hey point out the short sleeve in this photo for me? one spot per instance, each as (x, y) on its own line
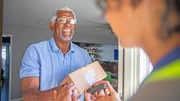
(30, 63)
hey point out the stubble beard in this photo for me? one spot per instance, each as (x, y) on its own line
(65, 38)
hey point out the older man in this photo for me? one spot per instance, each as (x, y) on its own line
(47, 63)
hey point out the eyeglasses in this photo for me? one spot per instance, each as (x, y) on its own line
(64, 20)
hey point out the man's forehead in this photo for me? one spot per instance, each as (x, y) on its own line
(64, 13)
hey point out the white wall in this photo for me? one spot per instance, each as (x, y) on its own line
(25, 35)
(107, 52)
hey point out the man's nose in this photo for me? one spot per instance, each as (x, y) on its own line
(67, 23)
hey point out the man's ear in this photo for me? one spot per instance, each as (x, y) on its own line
(51, 25)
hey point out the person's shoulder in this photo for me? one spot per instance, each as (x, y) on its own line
(39, 45)
(163, 90)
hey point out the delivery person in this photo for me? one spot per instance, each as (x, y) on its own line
(154, 26)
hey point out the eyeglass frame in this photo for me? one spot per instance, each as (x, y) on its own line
(65, 20)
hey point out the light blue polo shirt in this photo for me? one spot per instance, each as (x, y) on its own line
(46, 61)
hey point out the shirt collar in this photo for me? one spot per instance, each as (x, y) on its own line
(171, 56)
(54, 47)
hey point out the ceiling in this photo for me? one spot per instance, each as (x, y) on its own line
(37, 13)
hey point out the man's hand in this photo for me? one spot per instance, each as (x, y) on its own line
(66, 92)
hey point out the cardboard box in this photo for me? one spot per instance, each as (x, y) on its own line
(86, 76)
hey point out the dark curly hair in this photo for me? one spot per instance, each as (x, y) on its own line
(171, 5)
(135, 3)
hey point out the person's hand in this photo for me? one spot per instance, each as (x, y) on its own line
(66, 92)
(107, 94)
(75, 95)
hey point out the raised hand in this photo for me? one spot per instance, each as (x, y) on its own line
(107, 94)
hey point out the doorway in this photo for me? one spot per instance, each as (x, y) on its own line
(6, 47)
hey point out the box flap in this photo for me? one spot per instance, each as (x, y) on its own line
(67, 79)
(86, 76)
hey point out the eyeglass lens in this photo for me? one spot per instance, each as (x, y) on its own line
(64, 20)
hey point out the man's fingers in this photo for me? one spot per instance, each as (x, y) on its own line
(75, 95)
(55, 94)
(101, 93)
(106, 91)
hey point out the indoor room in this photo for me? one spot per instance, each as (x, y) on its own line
(27, 21)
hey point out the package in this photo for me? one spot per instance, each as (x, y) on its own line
(86, 76)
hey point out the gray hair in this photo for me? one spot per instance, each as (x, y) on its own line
(54, 17)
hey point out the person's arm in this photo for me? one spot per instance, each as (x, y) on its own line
(30, 91)
(108, 94)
